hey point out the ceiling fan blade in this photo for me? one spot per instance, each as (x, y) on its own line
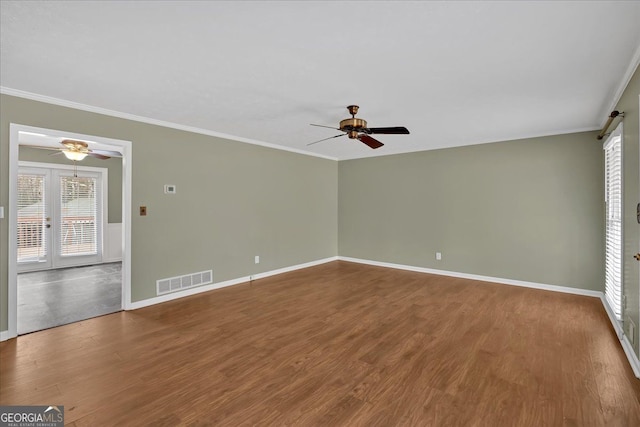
(371, 142)
(40, 147)
(397, 130)
(107, 153)
(323, 126)
(98, 156)
(331, 137)
(56, 154)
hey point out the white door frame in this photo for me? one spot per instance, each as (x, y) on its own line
(125, 148)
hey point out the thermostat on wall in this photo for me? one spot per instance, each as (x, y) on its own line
(169, 189)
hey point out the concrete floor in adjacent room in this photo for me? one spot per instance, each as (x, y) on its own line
(56, 297)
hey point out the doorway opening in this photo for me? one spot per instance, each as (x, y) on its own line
(69, 259)
(63, 212)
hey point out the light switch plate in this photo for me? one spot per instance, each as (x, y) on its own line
(169, 189)
(1, 212)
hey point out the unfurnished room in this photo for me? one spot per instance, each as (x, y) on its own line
(319, 213)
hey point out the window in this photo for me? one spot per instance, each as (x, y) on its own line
(613, 220)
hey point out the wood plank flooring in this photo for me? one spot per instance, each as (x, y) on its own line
(340, 344)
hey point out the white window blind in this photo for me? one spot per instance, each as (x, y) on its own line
(613, 230)
(32, 218)
(78, 216)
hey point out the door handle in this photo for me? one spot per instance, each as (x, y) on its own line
(637, 256)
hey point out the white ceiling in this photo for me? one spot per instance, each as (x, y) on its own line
(453, 73)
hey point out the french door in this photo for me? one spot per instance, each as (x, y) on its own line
(59, 218)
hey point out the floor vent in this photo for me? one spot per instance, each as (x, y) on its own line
(179, 283)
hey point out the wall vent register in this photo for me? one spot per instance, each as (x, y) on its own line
(179, 283)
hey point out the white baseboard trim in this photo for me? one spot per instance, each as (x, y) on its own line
(631, 355)
(624, 341)
(499, 280)
(617, 326)
(5, 335)
(292, 268)
(181, 294)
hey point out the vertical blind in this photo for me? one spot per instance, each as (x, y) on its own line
(613, 212)
(78, 216)
(32, 218)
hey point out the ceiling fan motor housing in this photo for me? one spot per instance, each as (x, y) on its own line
(352, 125)
(356, 128)
(78, 146)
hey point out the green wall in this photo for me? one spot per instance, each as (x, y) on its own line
(233, 201)
(114, 165)
(529, 210)
(631, 188)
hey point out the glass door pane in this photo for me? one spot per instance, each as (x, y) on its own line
(34, 221)
(78, 216)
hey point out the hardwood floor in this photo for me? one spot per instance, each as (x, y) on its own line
(336, 344)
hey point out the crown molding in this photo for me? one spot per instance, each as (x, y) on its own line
(631, 69)
(98, 110)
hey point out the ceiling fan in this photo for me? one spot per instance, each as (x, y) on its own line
(356, 128)
(78, 150)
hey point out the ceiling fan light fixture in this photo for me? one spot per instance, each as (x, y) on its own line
(74, 155)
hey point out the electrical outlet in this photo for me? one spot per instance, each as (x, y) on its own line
(257, 259)
(143, 210)
(438, 256)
